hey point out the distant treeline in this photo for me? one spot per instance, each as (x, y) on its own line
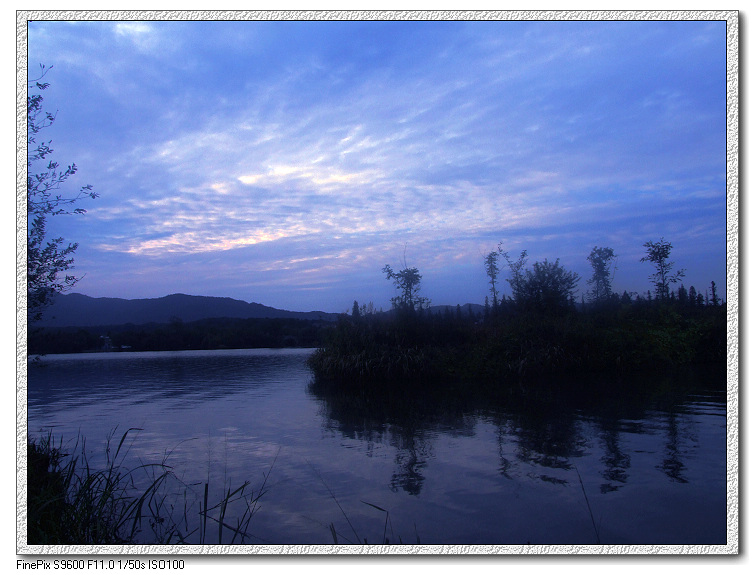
(220, 333)
(621, 336)
(538, 331)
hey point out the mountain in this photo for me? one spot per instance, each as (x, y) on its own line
(77, 310)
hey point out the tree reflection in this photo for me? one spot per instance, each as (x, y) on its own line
(540, 436)
(672, 464)
(548, 436)
(412, 453)
(616, 461)
(403, 420)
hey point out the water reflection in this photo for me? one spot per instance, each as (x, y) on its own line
(189, 375)
(616, 461)
(451, 466)
(541, 436)
(412, 452)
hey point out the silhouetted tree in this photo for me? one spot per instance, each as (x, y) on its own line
(603, 265)
(47, 258)
(548, 286)
(683, 297)
(658, 254)
(516, 281)
(714, 294)
(692, 296)
(367, 309)
(492, 269)
(407, 282)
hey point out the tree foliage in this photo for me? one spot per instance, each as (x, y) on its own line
(516, 281)
(548, 286)
(715, 300)
(658, 254)
(47, 258)
(492, 269)
(407, 282)
(603, 265)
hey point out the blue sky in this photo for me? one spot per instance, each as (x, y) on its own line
(287, 162)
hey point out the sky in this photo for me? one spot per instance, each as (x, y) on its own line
(286, 163)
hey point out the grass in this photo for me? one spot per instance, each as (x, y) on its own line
(589, 508)
(70, 503)
(385, 540)
(519, 348)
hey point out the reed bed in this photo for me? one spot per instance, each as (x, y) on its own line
(71, 503)
(515, 349)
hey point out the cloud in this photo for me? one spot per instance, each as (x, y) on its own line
(288, 149)
(134, 31)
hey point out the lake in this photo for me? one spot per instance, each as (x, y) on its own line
(645, 467)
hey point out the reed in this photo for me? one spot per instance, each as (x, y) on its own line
(242, 494)
(516, 348)
(589, 508)
(71, 503)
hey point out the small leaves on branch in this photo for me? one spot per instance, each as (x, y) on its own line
(46, 259)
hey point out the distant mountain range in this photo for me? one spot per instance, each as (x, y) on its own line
(77, 310)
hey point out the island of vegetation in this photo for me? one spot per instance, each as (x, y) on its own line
(538, 332)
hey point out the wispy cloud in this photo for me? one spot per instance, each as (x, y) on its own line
(305, 156)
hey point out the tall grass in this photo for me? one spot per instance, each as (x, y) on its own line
(71, 503)
(517, 347)
(589, 507)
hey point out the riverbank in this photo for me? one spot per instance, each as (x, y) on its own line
(71, 503)
(219, 333)
(420, 349)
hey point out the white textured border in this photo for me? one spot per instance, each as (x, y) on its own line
(732, 234)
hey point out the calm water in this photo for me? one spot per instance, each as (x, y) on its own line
(651, 465)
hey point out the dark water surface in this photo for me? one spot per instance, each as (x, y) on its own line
(647, 467)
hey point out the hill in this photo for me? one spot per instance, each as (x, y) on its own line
(77, 310)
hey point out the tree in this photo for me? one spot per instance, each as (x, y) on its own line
(516, 281)
(44, 263)
(603, 265)
(548, 287)
(492, 269)
(46, 258)
(683, 298)
(367, 309)
(692, 296)
(407, 282)
(714, 294)
(658, 254)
